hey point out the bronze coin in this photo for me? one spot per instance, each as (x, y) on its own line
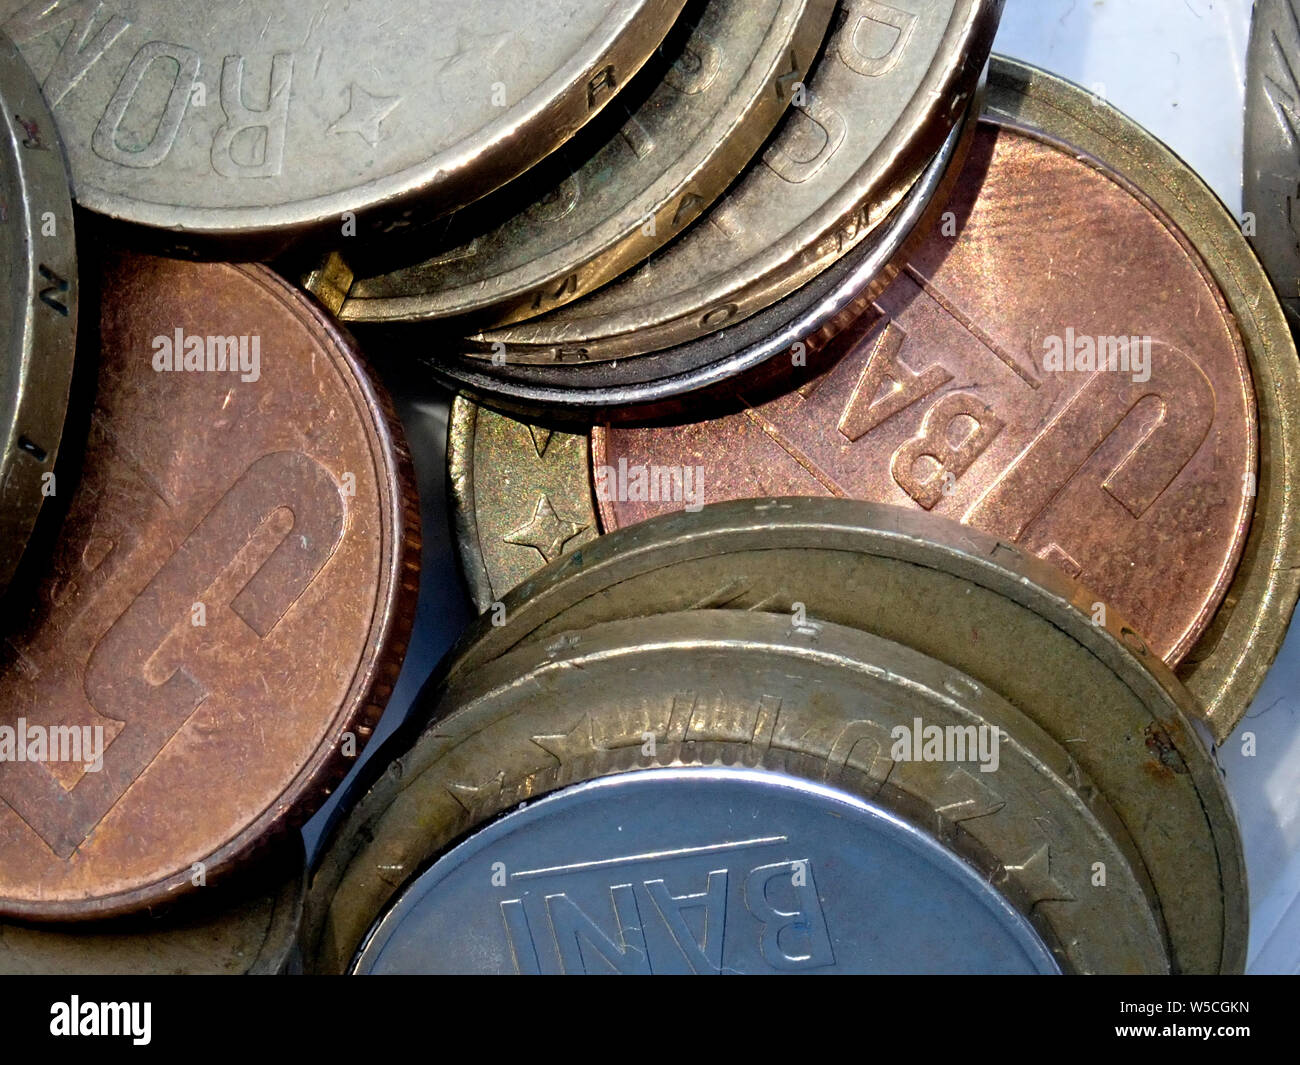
(1055, 365)
(227, 604)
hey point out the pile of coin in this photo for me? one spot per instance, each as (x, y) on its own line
(875, 464)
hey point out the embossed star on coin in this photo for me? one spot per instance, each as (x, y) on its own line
(546, 531)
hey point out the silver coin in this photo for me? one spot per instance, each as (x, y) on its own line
(38, 318)
(661, 382)
(1272, 163)
(621, 702)
(264, 117)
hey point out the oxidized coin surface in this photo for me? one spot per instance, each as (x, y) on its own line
(1271, 189)
(38, 317)
(1129, 462)
(894, 79)
(811, 712)
(228, 602)
(628, 184)
(252, 932)
(257, 117)
(976, 603)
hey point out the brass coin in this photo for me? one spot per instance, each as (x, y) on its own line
(628, 184)
(819, 703)
(894, 79)
(1007, 619)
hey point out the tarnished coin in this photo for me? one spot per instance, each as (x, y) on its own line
(683, 377)
(1271, 189)
(976, 603)
(993, 873)
(262, 119)
(1132, 466)
(1134, 472)
(628, 184)
(228, 601)
(894, 79)
(253, 931)
(38, 318)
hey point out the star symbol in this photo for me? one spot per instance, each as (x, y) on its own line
(546, 531)
(364, 115)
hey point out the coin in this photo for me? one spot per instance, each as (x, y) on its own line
(1272, 160)
(628, 184)
(1135, 479)
(681, 378)
(894, 80)
(264, 119)
(979, 604)
(38, 262)
(228, 601)
(1197, 560)
(1226, 667)
(252, 932)
(804, 721)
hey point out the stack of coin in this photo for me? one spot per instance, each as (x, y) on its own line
(875, 467)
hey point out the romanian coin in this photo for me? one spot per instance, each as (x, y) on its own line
(1227, 665)
(264, 119)
(981, 605)
(993, 872)
(253, 931)
(895, 78)
(681, 378)
(38, 320)
(227, 604)
(1131, 462)
(1271, 190)
(628, 184)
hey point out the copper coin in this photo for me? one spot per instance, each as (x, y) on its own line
(1055, 365)
(227, 605)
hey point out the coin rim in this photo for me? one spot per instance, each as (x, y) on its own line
(43, 346)
(380, 660)
(1226, 667)
(464, 171)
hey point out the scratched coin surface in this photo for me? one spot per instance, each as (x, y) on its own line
(810, 714)
(1136, 475)
(976, 603)
(1173, 496)
(628, 184)
(698, 372)
(1271, 189)
(268, 118)
(38, 319)
(227, 604)
(249, 932)
(894, 79)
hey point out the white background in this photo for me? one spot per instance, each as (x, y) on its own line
(1178, 67)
